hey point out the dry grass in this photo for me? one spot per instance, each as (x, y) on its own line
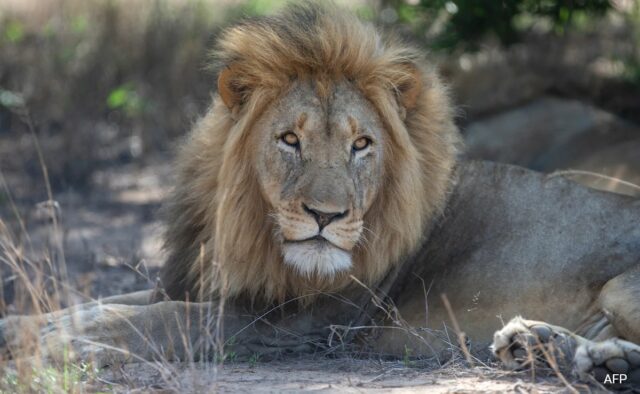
(611, 182)
(104, 82)
(41, 285)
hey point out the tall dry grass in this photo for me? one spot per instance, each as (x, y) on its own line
(104, 82)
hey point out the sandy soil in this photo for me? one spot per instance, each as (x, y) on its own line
(324, 375)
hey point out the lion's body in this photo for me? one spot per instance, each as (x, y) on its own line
(327, 163)
(509, 252)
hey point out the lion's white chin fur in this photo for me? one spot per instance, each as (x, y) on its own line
(316, 258)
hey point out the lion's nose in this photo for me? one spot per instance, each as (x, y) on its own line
(323, 218)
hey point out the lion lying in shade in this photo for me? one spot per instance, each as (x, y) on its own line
(325, 174)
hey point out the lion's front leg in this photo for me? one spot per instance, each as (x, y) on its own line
(58, 336)
(114, 333)
(172, 330)
(613, 362)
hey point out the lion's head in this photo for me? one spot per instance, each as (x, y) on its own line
(319, 162)
(327, 152)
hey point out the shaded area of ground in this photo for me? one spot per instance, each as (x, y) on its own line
(110, 236)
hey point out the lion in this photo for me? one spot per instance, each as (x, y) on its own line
(323, 184)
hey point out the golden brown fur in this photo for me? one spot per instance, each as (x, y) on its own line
(220, 236)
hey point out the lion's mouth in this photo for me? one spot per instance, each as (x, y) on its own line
(315, 256)
(317, 240)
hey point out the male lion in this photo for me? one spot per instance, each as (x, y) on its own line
(325, 174)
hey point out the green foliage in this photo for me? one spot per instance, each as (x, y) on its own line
(406, 357)
(632, 71)
(254, 360)
(11, 100)
(261, 7)
(632, 63)
(79, 24)
(14, 32)
(66, 379)
(126, 98)
(365, 12)
(231, 357)
(466, 21)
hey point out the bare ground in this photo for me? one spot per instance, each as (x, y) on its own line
(329, 375)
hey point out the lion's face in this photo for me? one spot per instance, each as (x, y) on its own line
(319, 164)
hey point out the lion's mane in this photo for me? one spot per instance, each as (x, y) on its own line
(219, 238)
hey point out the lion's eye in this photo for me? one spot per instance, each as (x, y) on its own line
(290, 139)
(361, 143)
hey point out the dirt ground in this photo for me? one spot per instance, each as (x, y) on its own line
(111, 236)
(323, 375)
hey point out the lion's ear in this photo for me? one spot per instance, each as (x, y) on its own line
(230, 90)
(410, 86)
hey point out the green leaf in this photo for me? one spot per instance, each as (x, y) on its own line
(118, 97)
(14, 32)
(79, 24)
(10, 99)
(126, 98)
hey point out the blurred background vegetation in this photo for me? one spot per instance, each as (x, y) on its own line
(452, 24)
(106, 81)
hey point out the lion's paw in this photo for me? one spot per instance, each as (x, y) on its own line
(613, 363)
(54, 338)
(17, 332)
(523, 343)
